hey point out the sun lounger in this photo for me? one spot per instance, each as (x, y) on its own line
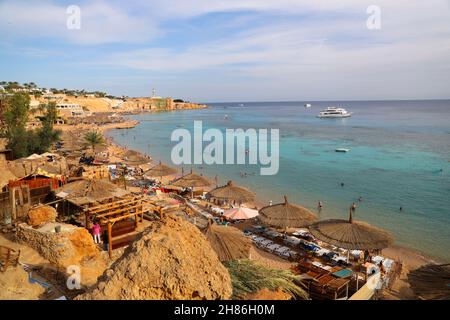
(273, 247)
(281, 250)
(377, 259)
(293, 241)
(259, 239)
(321, 252)
(338, 258)
(264, 243)
(301, 232)
(356, 253)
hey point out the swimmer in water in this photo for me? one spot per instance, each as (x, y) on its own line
(319, 205)
(353, 207)
(342, 184)
(360, 199)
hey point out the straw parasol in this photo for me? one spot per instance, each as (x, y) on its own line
(286, 215)
(349, 234)
(87, 191)
(228, 242)
(431, 282)
(160, 170)
(232, 192)
(5, 176)
(241, 213)
(135, 158)
(191, 180)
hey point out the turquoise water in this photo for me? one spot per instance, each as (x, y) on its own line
(400, 152)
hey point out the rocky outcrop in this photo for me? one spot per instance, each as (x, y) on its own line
(170, 260)
(40, 215)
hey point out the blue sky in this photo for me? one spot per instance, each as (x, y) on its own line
(230, 50)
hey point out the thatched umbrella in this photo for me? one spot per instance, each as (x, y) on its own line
(160, 170)
(135, 158)
(228, 242)
(5, 175)
(351, 235)
(431, 282)
(232, 192)
(87, 191)
(191, 180)
(286, 215)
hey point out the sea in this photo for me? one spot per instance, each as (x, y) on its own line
(399, 158)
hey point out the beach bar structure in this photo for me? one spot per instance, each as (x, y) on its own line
(119, 219)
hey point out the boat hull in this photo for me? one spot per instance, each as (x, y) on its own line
(334, 116)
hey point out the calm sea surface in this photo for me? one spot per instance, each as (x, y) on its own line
(400, 153)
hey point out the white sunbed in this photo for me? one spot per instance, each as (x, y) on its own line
(272, 234)
(265, 243)
(377, 259)
(317, 264)
(322, 251)
(356, 253)
(338, 258)
(283, 249)
(292, 241)
(287, 254)
(301, 232)
(259, 239)
(273, 247)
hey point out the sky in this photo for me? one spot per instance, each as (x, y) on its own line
(231, 50)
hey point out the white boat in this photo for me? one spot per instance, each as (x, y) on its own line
(342, 150)
(334, 112)
(307, 105)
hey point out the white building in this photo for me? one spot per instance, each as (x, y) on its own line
(70, 109)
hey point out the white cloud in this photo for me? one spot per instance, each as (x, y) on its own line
(101, 23)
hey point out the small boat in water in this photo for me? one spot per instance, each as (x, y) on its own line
(307, 105)
(334, 112)
(342, 150)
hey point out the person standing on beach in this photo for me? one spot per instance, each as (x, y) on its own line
(96, 232)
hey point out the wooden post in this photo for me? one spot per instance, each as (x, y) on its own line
(142, 213)
(86, 217)
(136, 214)
(110, 239)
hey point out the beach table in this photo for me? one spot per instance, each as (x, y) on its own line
(344, 273)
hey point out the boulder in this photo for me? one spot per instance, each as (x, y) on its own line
(40, 215)
(170, 260)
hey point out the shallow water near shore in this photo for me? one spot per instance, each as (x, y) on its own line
(400, 153)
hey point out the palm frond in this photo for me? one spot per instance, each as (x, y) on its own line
(249, 277)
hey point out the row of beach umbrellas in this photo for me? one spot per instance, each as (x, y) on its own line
(344, 233)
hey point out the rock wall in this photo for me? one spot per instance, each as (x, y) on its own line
(72, 246)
